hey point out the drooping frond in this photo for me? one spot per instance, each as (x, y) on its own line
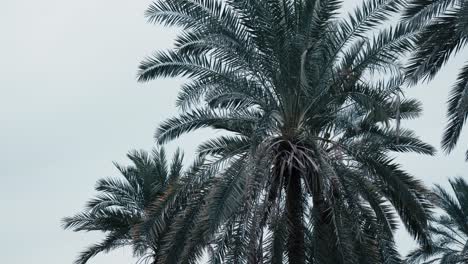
(436, 43)
(202, 118)
(111, 242)
(457, 111)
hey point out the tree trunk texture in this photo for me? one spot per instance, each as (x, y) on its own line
(294, 207)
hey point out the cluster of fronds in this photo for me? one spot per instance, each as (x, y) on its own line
(309, 104)
(150, 188)
(308, 101)
(442, 32)
(449, 230)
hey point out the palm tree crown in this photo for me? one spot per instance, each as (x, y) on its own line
(450, 230)
(307, 101)
(122, 204)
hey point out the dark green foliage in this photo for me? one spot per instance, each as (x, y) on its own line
(307, 101)
(443, 32)
(124, 204)
(449, 231)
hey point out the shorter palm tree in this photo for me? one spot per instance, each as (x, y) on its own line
(450, 230)
(124, 203)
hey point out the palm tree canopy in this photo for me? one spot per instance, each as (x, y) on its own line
(449, 230)
(308, 101)
(122, 203)
(443, 26)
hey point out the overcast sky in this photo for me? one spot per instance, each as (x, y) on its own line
(70, 105)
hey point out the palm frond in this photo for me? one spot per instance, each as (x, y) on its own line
(111, 242)
(457, 111)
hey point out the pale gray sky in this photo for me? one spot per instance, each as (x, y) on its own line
(70, 105)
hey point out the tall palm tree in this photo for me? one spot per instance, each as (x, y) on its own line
(124, 203)
(307, 106)
(443, 28)
(449, 230)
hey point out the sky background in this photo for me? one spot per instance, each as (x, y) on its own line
(70, 105)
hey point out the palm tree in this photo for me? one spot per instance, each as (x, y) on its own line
(443, 28)
(124, 203)
(307, 106)
(449, 230)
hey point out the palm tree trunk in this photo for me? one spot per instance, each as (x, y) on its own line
(318, 201)
(327, 250)
(294, 207)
